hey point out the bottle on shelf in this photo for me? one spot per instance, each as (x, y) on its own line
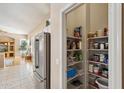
(102, 45)
(91, 67)
(96, 69)
(96, 45)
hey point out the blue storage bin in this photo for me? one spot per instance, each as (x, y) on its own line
(71, 72)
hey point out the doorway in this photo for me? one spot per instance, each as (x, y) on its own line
(122, 46)
(113, 53)
(16, 72)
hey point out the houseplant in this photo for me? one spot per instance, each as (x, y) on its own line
(23, 48)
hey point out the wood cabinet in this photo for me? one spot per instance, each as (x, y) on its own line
(1, 60)
(10, 48)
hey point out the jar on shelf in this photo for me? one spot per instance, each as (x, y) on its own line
(76, 34)
(73, 45)
(78, 56)
(77, 31)
(100, 33)
(105, 72)
(78, 45)
(90, 34)
(91, 67)
(102, 45)
(106, 45)
(102, 56)
(96, 69)
(96, 57)
(95, 34)
(105, 32)
(96, 45)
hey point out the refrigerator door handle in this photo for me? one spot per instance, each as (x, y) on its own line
(37, 53)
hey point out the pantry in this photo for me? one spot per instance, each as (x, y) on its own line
(86, 47)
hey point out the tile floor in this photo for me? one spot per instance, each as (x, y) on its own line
(19, 77)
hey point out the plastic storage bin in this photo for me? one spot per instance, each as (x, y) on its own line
(102, 83)
(71, 72)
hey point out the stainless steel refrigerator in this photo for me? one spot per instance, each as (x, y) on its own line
(42, 58)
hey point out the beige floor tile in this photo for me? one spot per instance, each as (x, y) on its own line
(19, 77)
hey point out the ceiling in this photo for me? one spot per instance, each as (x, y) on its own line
(22, 18)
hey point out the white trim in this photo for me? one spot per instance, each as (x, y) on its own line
(62, 46)
(67, 9)
(115, 39)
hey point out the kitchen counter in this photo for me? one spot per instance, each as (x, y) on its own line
(2, 60)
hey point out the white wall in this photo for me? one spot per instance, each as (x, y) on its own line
(55, 45)
(38, 28)
(76, 18)
(98, 16)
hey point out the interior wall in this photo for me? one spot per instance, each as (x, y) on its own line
(98, 16)
(38, 29)
(6, 39)
(56, 77)
(76, 18)
(17, 38)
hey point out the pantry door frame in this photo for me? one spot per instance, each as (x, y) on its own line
(115, 48)
(63, 35)
(115, 45)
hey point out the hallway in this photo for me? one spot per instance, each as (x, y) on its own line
(19, 77)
